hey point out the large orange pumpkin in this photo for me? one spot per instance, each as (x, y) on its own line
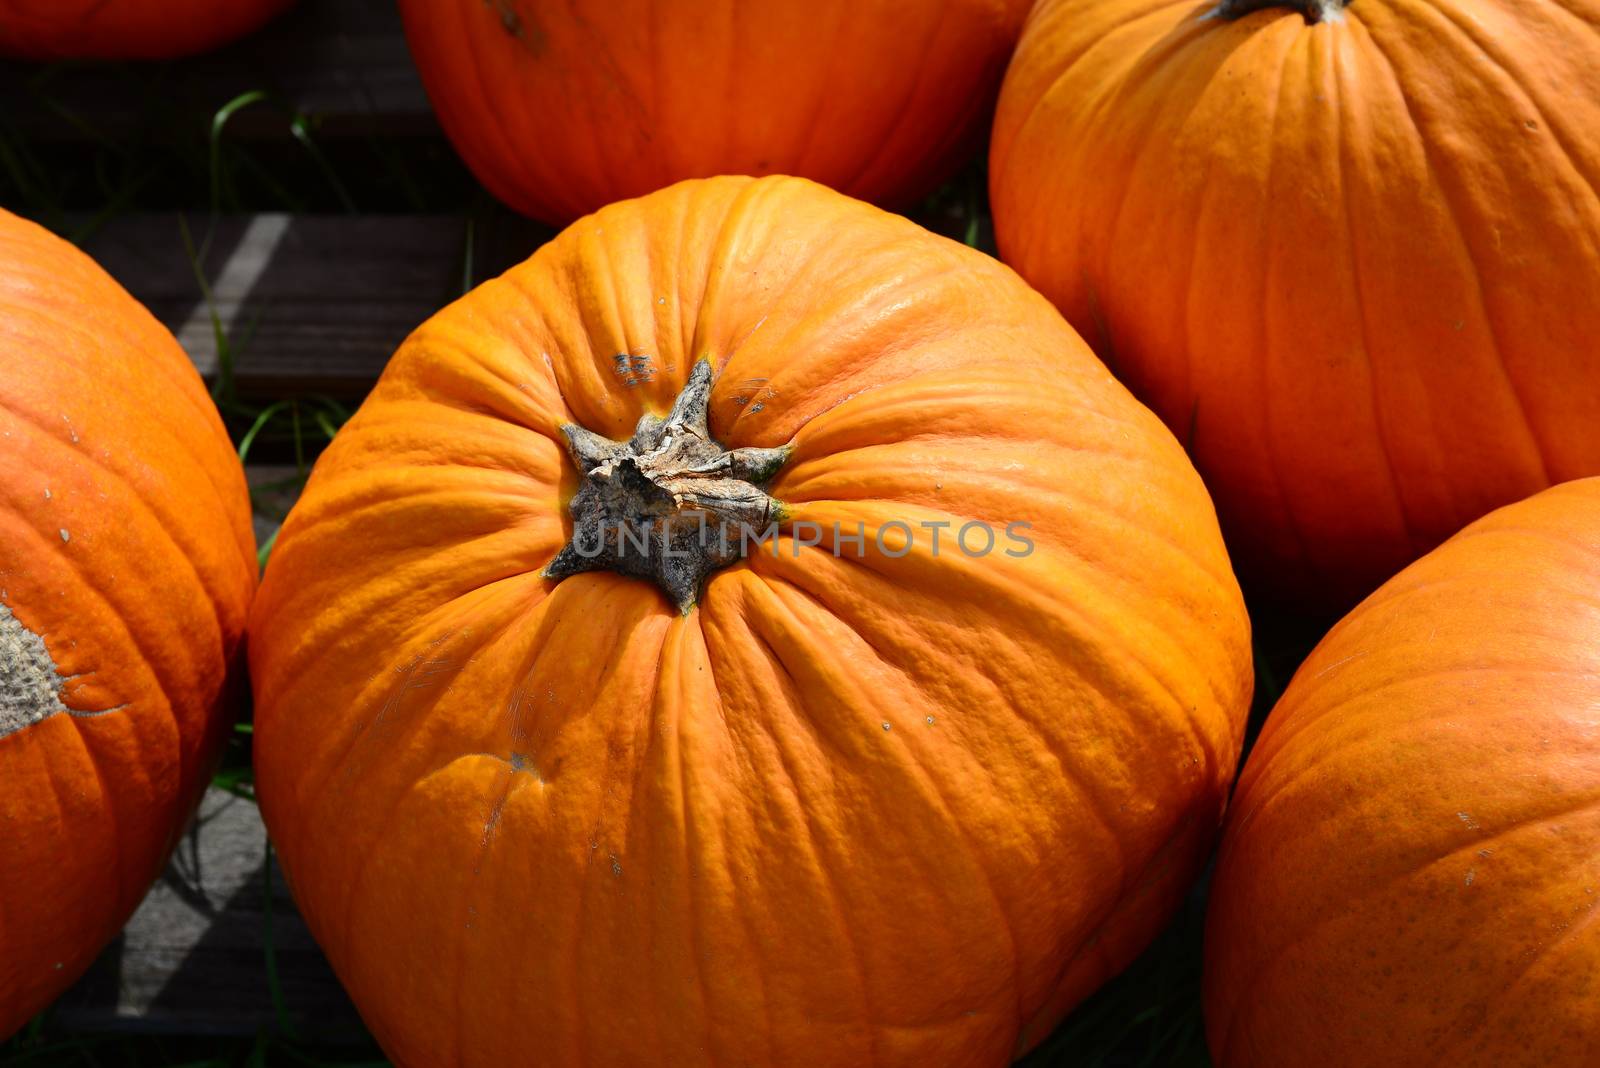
(560, 108)
(127, 565)
(126, 29)
(855, 802)
(1352, 257)
(1411, 870)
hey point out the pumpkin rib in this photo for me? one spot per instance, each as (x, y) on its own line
(214, 474)
(438, 393)
(1577, 15)
(1032, 109)
(687, 836)
(790, 686)
(1148, 150)
(1344, 111)
(1519, 85)
(1293, 524)
(322, 785)
(128, 892)
(1564, 940)
(910, 767)
(458, 957)
(1075, 775)
(824, 72)
(1453, 213)
(1283, 738)
(886, 138)
(62, 323)
(500, 146)
(1084, 574)
(915, 770)
(165, 523)
(1100, 688)
(1275, 957)
(324, 779)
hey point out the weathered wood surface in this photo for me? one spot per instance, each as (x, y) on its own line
(344, 62)
(194, 958)
(306, 303)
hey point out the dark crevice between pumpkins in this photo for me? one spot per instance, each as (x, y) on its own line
(669, 505)
(1313, 11)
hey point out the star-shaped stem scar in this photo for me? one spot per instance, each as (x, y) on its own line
(669, 505)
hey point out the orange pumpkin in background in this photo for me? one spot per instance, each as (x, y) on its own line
(854, 802)
(1350, 254)
(127, 565)
(1411, 870)
(127, 29)
(560, 108)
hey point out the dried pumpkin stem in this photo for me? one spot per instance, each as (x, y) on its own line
(1313, 11)
(669, 505)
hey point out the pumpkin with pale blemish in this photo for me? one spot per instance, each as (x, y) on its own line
(845, 803)
(1349, 252)
(127, 564)
(127, 29)
(560, 108)
(1411, 871)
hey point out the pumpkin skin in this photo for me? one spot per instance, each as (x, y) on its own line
(843, 811)
(561, 108)
(127, 564)
(127, 29)
(1411, 869)
(1354, 264)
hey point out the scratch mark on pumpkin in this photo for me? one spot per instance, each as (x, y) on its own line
(634, 370)
(1340, 663)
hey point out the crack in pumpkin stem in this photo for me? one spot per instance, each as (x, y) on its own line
(1313, 11)
(669, 505)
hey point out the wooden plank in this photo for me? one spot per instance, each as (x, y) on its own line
(306, 303)
(343, 61)
(194, 958)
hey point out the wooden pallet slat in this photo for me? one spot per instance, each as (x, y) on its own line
(345, 62)
(193, 959)
(307, 303)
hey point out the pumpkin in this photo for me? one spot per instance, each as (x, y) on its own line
(1411, 870)
(127, 565)
(1351, 255)
(560, 108)
(127, 29)
(815, 794)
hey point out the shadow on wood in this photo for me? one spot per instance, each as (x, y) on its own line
(194, 958)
